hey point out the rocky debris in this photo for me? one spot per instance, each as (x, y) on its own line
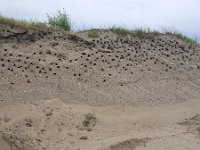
(83, 138)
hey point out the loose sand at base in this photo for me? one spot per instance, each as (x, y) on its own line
(51, 125)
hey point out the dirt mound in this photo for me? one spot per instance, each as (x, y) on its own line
(129, 144)
(106, 70)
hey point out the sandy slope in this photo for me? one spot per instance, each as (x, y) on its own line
(108, 70)
(52, 125)
(141, 91)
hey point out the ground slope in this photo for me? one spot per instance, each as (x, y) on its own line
(54, 125)
(110, 69)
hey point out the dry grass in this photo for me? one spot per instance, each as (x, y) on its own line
(61, 21)
(182, 37)
(24, 24)
(140, 33)
(93, 33)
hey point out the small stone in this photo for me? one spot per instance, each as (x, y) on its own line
(49, 113)
(70, 134)
(83, 138)
(28, 122)
(89, 129)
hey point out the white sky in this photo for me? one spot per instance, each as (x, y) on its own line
(179, 15)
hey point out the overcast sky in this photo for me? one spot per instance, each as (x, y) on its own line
(179, 15)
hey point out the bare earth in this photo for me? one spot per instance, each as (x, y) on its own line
(144, 93)
(32, 126)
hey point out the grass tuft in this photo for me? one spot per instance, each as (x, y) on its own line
(93, 33)
(182, 37)
(60, 21)
(8, 136)
(24, 24)
(120, 31)
(90, 119)
(140, 33)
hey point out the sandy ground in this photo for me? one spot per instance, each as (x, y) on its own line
(51, 125)
(144, 93)
(106, 70)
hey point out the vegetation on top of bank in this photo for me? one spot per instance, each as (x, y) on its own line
(61, 21)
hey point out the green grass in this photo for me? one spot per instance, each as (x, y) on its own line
(24, 24)
(140, 33)
(93, 33)
(182, 37)
(120, 31)
(8, 135)
(147, 33)
(90, 119)
(60, 21)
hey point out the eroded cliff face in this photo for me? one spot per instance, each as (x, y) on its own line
(107, 70)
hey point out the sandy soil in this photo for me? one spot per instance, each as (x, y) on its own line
(51, 125)
(107, 70)
(144, 93)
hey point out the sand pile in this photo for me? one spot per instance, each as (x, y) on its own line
(50, 81)
(110, 69)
